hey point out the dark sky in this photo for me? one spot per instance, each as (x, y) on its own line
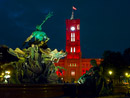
(105, 24)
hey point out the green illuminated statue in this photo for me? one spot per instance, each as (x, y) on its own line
(35, 63)
(39, 35)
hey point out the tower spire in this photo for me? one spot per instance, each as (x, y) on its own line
(72, 15)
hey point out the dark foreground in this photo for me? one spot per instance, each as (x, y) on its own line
(56, 91)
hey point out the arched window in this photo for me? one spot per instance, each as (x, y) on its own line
(72, 37)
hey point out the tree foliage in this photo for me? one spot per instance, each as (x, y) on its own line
(116, 61)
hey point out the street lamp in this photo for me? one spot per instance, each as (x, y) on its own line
(126, 74)
(127, 77)
(110, 72)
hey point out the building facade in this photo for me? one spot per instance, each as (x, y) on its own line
(74, 64)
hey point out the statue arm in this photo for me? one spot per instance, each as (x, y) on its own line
(48, 16)
(47, 40)
(29, 38)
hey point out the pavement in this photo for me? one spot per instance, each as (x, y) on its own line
(110, 96)
(115, 96)
(56, 91)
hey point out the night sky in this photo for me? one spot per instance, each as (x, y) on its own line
(104, 24)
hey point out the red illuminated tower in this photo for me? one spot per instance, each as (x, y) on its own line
(74, 64)
(73, 38)
(73, 59)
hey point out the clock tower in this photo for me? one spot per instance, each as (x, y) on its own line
(74, 64)
(73, 38)
(73, 58)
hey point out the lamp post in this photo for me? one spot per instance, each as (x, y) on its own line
(110, 74)
(127, 77)
(110, 84)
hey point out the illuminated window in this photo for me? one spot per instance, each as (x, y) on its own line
(78, 27)
(72, 37)
(72, 65)
(62, 78)
(71, 49)
(74, 49)
(72, 73)
(75, 64)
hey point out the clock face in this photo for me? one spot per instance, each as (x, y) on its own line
(72, 28)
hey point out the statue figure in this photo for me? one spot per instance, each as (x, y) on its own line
(39, 35)
(93, 72)
(94, 79)
(54, 55)
(36, 64)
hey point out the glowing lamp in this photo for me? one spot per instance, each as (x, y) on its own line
(7, 72)
(7, 76)
(110, 72)
(126, 74)
(2, 74)
(72, 28)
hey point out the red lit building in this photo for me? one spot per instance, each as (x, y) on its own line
(76, 65)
